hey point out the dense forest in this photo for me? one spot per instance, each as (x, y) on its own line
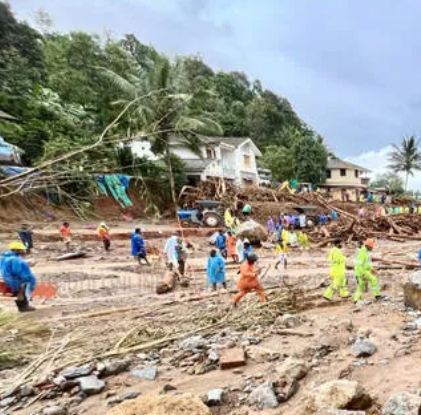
(66, 88)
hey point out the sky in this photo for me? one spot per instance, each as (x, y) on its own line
(350, 68)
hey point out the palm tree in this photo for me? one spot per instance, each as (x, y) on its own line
(163, 111)
(406, 158)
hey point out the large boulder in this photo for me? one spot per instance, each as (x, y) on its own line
(161, 405)
(363, 348)
(339, 394)
(412, 290)
(292, 369)
(403, 403)
(264, 396)
(253, 231)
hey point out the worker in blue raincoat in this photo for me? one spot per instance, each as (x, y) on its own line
(221, 243)
(138, 246)
(17, 275)
(216, 270)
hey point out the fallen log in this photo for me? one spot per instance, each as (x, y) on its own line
(407, 265)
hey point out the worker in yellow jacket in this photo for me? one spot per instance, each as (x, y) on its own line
(303, 240)
(337, 272)
(285, 236)
(364, 272)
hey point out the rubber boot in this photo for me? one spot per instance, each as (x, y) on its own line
(23, 306)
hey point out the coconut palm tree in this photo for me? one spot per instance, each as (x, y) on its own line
(162, 111)
(406, 158)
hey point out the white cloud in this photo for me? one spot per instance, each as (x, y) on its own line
(377, 161)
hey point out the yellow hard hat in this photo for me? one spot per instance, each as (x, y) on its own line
(17, 246)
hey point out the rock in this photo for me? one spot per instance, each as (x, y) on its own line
(130, 395)
(75, 372)
(253, 231)
(412, 290)
(26, 390)
(231, 358)
(289, 320)
(363, 348)
(263, 396)
(7, 401)
(91, 385)
(214, 397)
(339, 394)
(167, 388)
(54, 410)
(292, 369)
(113, 366)
(330, 411)
(161, 404)
(149, 373)
(194, 342)
(213, 356)
(262, 354)
(404, 403)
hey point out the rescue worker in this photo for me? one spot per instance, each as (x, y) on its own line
(270, 225)
(232, 246)
(181, 254)
(66, 234)
(138, 246)
(18, 276)
(25, 235)
(285, 236)
(248, 249)
(281, 251)
(246, 210)
(364, 272)
(228, 218)
(221, 243)
(249, 280)
(171, 252)
(103, 232)
(337, 272)
(292, 239)
(239, 248)
(216, 270)
(303, 240)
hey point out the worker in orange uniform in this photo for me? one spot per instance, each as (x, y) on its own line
(66, 234)
(103, 232)
(249, 280)
(231, 246)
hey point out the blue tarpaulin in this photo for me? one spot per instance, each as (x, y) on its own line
(12, 170)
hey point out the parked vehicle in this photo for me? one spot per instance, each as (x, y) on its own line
(208, 213)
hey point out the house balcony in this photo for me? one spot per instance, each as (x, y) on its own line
(228, 173)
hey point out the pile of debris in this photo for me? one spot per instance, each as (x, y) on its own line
(397, 228)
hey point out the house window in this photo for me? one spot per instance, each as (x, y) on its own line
(209, 153)
(343, 172)
(357, 174)
(329, 174)
(246, 148)
(247, 162)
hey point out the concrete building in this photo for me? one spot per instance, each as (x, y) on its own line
(228, 158)
(345, 181)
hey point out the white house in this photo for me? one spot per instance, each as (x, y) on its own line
(229, 158)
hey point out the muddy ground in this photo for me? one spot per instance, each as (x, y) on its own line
(111, 281)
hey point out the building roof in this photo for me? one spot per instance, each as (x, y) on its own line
(342, 164)
(234, 141)
(5, 116)
(196, 165)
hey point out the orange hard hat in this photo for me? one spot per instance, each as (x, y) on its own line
(369, 243)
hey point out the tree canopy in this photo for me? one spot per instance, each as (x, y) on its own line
(65, 88)
(406, 158)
